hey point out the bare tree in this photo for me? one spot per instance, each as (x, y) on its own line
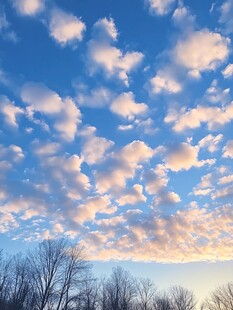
(220, 299)
(103, 303)
(146, 290)
(162, 302)
(73, 275)
(181, 298)
(88, 298)
(45, 262)
(5, 266)
(55, 269)
(20, 296)
(120, 290)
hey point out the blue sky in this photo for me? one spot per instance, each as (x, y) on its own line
(116, 131)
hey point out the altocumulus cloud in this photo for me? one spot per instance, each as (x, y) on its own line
(28, 7)
(65, 28)
(124, 143)
(103, 55)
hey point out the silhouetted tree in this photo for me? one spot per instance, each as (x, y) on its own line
(181, 298)
(220, 299)
(119, 290)
(45, 262)
(162, 302)
(20, 296)
(5, 266)
(89, 296)
(73, 278)
(56, 270)
(145, 289)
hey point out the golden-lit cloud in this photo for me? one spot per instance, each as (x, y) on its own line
(28, 7)
(108, 58)
(65, 28)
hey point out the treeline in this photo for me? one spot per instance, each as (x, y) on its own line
(56, 276)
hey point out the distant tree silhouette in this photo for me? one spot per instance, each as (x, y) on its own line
(162, 302)
(5, 271)
(20, 296)
(145, 289)
(220, 299)
(182, 298)
(89, 296)
(56, 270)
(119, 290)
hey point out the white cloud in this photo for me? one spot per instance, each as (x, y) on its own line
(216, 95)
(44, 148)
(135, 152)
(215, 117)
(3, 194)
(112, 61)
(226, 179)
(29, 213)
(10, 111)
(93, 148)
(96, 98)
(166, 199)
(58, 228)
(228, 149)
(105, 29)
(132, 196)
(40, 98)
(194, 74)
(183, 18)
(4, 78)
(202, 192)
(4, 167)
(211, 142)
(156, 182)
(160, 7)
(185, 156)
(164, 82)
(12, 153)
(144, 126)
(109, 59)
(88, 210)
(226, 15)
(226, 192)
(228, 71)
(5, 28)
(121, 166)
(206, 181)
(27, 207)
(65, 28)
(66, 171)
(214, 50)
(213, 183)
(125, 127)
(28, 7)
(7, 222)
(68, 120)
(125, 106)
(156, 179)
(4, 24)
(64, 112)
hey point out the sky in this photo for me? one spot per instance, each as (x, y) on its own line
(116, 132)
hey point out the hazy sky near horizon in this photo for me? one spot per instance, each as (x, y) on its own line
(116, 129)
